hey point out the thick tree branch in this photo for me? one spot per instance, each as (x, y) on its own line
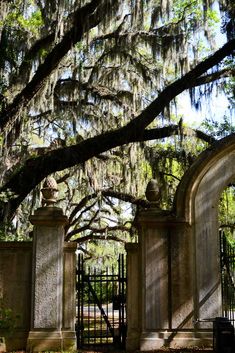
(174, 89)
(167, 131)
(227, 225)
(96, 230)
(98, 237)
(107, 193)
(81, 229)
(225, 73)
(150, 134)
(202, 136)
(32, 53)
(97, 91)
(85, 18)
(35, 169)
(75, 220)
(25, 67)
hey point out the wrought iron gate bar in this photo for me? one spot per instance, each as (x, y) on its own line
(99, 304)
(227, 257)
(101, 314)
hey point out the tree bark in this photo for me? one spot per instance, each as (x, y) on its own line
(36, 169)
(85, 18)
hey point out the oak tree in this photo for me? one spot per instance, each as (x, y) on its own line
(89, 90)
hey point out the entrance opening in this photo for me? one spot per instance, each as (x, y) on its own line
(227, 251)
(101, 304)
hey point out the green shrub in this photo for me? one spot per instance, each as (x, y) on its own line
(7, 318)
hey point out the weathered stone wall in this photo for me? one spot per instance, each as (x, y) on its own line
(15, 291)
(179, 283)
(166, 275)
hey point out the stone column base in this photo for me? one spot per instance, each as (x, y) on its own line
(132, 340)
(69, 340)
(175, 339)
(14, 341)
(39, 341)
(51, 341)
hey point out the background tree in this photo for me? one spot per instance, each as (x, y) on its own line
(90, 93)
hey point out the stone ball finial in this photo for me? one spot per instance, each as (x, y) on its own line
(49, 191)
(152, 192)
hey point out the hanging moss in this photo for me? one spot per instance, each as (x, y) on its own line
(111, 74)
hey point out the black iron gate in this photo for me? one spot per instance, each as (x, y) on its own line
(227, 256)
(101, 308)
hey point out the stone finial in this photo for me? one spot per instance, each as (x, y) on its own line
(152, 192)
(49, 191)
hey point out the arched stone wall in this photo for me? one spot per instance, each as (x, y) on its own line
(177, 265)
(213, 170)
(197, 202)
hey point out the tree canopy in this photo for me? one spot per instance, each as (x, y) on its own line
(89, 90)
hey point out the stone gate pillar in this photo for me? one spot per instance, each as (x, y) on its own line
(47, 278)
(165, 278)
(155, 299)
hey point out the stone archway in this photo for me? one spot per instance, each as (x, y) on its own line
(213, 170)
(175, 268)
(197, 201)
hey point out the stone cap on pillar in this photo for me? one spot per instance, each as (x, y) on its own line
(49, 216)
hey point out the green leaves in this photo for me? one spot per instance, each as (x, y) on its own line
(32, 22)
(6, 195)
(221, 128)
(8, 319)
